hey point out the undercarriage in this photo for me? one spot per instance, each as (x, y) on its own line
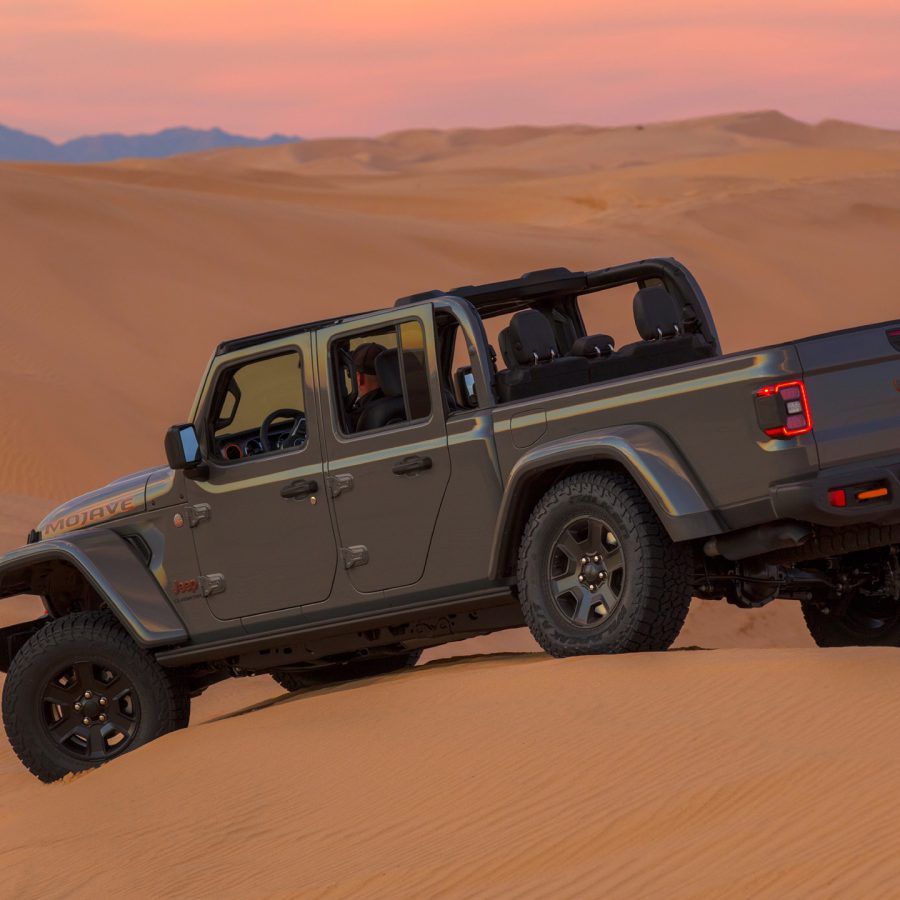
(867, 581)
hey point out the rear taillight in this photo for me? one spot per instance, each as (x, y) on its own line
(783, 410)
(893, 335)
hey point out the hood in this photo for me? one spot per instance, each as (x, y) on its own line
(123, 497)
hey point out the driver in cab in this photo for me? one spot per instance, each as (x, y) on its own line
(368, 388)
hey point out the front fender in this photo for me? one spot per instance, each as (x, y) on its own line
(643, 451)
(115, 572)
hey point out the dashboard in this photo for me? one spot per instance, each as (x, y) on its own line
(248, 443)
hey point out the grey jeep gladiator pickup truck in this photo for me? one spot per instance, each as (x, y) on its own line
(349, 492)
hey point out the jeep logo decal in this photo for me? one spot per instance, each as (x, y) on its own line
(186, 586)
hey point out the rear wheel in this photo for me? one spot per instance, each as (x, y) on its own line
(81, 692)
(597, 572)
(349, 671)
(863, 622)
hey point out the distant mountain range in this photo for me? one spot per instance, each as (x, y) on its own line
(23, 147)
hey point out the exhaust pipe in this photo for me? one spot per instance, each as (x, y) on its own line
(758, 540)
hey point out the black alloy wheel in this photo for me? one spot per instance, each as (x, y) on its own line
(586, 571)
(91, 710)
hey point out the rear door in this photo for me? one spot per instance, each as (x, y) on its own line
(386, 481)
(853, 383)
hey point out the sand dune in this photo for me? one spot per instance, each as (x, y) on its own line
(725, 773)
(684, 774)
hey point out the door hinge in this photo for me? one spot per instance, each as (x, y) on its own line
(337, 484)
(199, 513)
(212, 584)
(355, 556)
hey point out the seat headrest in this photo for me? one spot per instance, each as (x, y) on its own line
(387, 369)
(657, 314)
(505, 351)
(530, 338)
(592, 345)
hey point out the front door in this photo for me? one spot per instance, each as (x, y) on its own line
(264, 540)
(388, 463)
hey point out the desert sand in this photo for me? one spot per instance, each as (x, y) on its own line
(757, 765)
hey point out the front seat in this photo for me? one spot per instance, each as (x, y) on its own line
(389, 409)
(534, 365)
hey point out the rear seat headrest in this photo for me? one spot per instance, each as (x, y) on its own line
(592, 345)
(657, 314)
(505, 352)
(530, 338)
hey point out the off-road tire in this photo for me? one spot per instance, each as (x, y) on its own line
(851, 627)
(655, 588)
(350, 671)
(98, 639)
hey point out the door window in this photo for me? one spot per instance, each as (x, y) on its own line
(380, 378)
(259, 408)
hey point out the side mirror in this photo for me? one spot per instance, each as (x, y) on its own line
(182, 447)
(465, 382)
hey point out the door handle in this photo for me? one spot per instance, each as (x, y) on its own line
(301, 488)
(412, 464)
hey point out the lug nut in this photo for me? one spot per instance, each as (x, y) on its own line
(592, 587)
(77, 707)
(581, 577)
(88, 695)
(103, 701)
(102, 717)
(583, 560)
(596, 559)
(86, 721)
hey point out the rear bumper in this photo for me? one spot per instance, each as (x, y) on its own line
(13, 637)
(808, 500)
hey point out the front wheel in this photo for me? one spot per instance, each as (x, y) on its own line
(81, 692)
(348, 671)
(862, 622)
(597, 572)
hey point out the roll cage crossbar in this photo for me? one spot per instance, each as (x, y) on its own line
(544, 288)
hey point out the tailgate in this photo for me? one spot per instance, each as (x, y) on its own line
(853, 384)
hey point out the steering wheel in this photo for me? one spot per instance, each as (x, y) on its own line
(299, 424)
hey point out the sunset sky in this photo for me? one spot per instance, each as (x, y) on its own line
(69, 67)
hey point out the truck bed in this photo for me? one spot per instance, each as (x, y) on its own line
(706, 411)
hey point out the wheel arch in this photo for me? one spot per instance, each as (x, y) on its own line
(640, 451)
(94, 569)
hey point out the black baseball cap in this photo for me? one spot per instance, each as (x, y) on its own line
(364, 357)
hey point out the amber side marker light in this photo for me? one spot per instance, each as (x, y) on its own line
(874, 494)
(783, 409)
